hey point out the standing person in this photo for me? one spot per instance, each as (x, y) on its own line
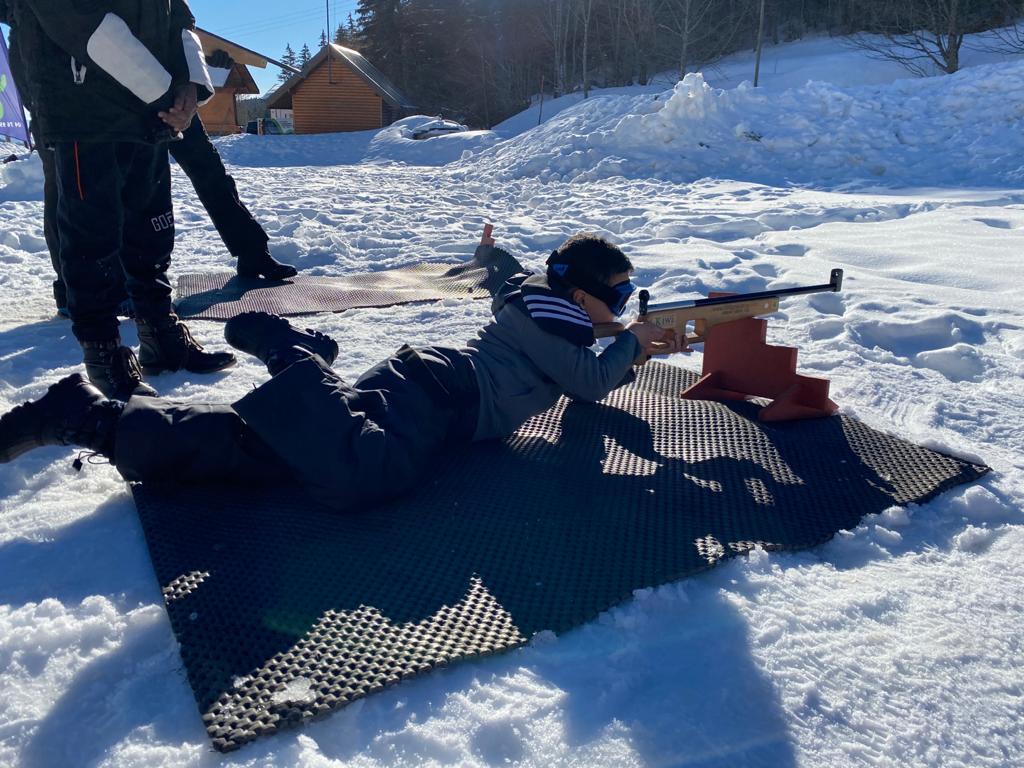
(111, 81)
(243, 236)
(353, 444)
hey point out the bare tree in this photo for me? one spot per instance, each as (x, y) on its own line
(584, 14)
(692, 22)
(921, 35)
(1010, 37)
(555, 22)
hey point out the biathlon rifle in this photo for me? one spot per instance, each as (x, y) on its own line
(692, 320)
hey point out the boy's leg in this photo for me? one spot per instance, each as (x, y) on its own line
(349, 446)
(89, 221)
(165, 343)
(89, 180)
(242, 234)
(159, 440)
(46, 157)
(148, 228)
(146, 439)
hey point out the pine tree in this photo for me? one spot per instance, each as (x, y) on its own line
(304, 56)
(289, 59)
(323, 39)
(381, 37)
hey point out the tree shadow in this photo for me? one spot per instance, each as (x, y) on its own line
(48, 344)
(114, 694)
(99, 554)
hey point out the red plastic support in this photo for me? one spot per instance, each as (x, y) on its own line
(739, 364)
(487, 239)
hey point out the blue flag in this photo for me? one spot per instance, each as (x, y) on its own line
(12, 114)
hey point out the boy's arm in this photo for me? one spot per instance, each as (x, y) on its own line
(89, 32)
(579, 371)
(189, 66)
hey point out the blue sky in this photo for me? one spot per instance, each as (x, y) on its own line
(266, 26)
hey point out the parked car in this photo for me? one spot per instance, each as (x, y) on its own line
(438, 127)
(264, 126)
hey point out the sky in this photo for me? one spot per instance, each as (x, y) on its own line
(266, 26)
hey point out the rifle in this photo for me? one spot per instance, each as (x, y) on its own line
(692, 320)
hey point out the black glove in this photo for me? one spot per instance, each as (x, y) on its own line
(220, 59)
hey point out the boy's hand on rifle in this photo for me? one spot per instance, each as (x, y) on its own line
(180, 115)
(655, 340)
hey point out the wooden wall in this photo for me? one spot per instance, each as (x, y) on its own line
(346, 103)
(218, 114)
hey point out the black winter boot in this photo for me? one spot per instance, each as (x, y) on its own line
(264, 265)
(72, 412)
(114, 370)
(277, 342)
(168, 345)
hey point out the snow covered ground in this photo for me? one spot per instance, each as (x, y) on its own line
(896, 644)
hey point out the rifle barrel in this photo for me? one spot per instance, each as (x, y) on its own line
(835, 284)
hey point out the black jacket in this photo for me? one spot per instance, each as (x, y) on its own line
(100, 70)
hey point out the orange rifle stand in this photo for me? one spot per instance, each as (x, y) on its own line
(486, 239)
(739, 364)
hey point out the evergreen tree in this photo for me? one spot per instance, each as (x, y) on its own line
(382, 43)
(289, 59)
(304, 56)
(323, 39)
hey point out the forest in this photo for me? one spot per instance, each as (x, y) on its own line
(479, 61)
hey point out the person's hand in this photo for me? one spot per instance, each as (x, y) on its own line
(655, 340)
(180, 115)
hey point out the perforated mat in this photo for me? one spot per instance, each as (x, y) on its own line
(222, 295)
(285, 610)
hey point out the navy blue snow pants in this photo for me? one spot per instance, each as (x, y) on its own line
(349, 445)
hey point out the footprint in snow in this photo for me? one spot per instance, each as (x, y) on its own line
(911, 338)
(789, 249)
(996, 223)
(828, 303)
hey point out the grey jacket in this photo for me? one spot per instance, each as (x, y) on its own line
(522, 370)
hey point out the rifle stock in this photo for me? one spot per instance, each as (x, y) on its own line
(691, 320)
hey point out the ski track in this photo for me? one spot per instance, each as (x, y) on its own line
(895, 644)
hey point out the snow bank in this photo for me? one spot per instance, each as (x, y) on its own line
(955, 129)
(21, 179)
(395, 143)
(390, 144)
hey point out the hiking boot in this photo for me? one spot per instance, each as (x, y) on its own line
(168, 345)
(72, 412)
(264, 265)
(114, 370)
(277, 342)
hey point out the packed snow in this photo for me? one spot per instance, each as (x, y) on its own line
(895, 644)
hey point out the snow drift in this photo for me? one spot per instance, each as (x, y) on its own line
(956, 129)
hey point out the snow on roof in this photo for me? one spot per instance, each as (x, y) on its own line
(358, 63)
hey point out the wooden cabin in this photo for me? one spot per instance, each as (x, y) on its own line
(339, 90)
(220, 114)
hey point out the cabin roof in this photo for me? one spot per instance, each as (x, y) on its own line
(280, 98)
(240, 54)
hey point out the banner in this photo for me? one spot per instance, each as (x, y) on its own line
(12, 114)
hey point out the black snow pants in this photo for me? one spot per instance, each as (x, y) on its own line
(349, 445)
(116, 231)
(200, 160)
(49, 162)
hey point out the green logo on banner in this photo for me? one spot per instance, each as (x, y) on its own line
(3, 87)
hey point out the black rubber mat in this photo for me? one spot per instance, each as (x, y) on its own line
(286, 610)
(222, 295)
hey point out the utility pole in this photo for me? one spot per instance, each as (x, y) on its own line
(760, 37)
(330, 53)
